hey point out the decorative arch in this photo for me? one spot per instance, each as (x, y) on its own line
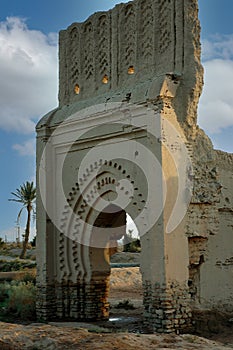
(150, 36)
(80, 216)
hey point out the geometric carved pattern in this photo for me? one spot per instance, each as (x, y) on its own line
(135, 34)
(80, 204)
(103, 47)
(147, 21)
(88, 51)
(128, 56)
(165, 21)
(67, 248)
(74, 56)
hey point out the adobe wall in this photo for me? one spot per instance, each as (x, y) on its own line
(216, 288)
(125, 76)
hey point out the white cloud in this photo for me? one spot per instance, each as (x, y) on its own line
(216, 103)
(28, 70)
(28, 84)
(28, 148)
(218, 46)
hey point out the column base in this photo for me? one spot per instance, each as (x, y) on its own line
(167, 308)
(73, 301)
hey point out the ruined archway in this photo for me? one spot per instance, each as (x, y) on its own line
(87, 236)
(125, 136)
(132, 183)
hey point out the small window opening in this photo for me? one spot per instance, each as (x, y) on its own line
(105, 79)
(77, 89)
(131, 70)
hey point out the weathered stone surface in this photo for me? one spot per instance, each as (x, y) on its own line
(125, 75)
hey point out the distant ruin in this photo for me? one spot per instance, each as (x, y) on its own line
(125, 139)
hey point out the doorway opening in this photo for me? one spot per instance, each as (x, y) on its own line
(117, 260)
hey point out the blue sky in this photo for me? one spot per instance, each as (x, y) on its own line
(28, 84)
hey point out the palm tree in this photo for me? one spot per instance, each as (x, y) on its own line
(26, 195)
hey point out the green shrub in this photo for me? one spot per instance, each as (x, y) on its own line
(18, 299)
(15, 265)
(131, 244)
(133, 247)
(4, 289)
(22, 300)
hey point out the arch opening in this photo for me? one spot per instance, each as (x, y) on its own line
(116, 266)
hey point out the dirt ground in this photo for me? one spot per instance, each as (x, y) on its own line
(126, 285)
(123, 331)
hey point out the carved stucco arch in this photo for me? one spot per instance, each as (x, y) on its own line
(80, 215)
(160, 39)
